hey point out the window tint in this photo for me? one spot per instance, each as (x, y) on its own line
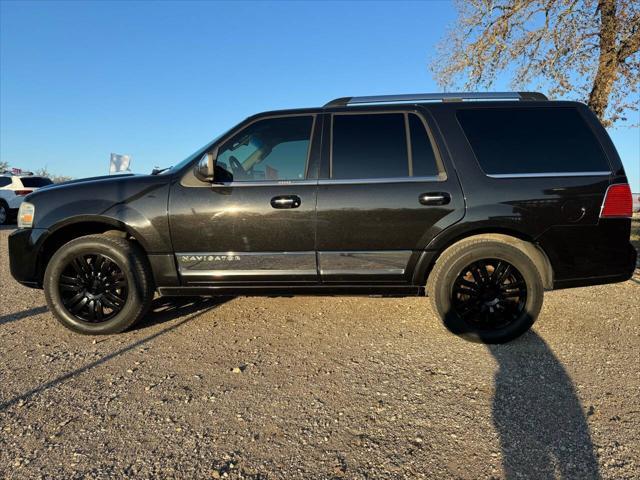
(35, 182)
(369, 146)
(270, 149)
(424, 160)
(4, 181)
(532, 140)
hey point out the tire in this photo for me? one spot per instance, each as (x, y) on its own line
(466, 306)
(4, 213)
(101, 271)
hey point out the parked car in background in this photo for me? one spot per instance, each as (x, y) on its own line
(14, 186)
(481, 200)
(636, 202)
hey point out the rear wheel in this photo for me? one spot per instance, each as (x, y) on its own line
(98, 284)
(486, 289)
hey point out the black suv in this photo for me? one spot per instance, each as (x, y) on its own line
(480, 200)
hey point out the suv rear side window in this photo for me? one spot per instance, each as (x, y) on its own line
(376, 146)
(4, 181)
(532, 141)
(424, 160)
(35, 182)
(369, 146)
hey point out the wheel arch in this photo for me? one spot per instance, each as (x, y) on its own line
(518, 238)
(80, 227)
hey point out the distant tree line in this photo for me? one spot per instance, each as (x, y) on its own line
(41, 172)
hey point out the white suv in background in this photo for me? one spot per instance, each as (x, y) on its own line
(13, 188)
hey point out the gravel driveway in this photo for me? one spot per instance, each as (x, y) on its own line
(343, 387)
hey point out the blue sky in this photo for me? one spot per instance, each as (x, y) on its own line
(156, 80)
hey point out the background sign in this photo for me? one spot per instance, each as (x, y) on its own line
(119, 163)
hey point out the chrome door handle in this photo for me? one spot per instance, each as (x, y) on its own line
(286, 201)
(434, 198)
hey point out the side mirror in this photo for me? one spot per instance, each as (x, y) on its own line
(205, 168)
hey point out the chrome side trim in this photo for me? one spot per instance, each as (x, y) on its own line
(386, 271)
(265, 183)
(550, 174)
(357, 181)
(364, 263)
(247, 263)
(245, 273)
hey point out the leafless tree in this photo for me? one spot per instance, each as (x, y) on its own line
(586, 50)
(44, 172)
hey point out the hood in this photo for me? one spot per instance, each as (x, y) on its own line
(119, 197)
(87, 189)
(90, 179)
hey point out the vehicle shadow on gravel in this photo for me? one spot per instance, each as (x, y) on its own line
(543, 429)
(12, 317)
(162, 310)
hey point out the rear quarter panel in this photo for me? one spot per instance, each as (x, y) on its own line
(559, 213)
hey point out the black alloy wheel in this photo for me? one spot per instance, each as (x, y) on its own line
(490, 293)
(98, 284)
(93, 288)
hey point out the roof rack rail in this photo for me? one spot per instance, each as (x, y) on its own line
(15, 172)
(437, 97)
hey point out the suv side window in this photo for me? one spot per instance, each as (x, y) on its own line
(381, 145)
(424, 159)
(369, 146)
(521, 141)
(35, 182)
(269, 149)
(4, 181)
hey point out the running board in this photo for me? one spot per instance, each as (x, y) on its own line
(291, 290)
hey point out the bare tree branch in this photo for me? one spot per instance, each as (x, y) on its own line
(581, 49)
(629, 47)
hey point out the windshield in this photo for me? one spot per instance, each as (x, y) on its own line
(197, 154)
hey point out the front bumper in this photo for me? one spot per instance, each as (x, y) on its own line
(25, 245)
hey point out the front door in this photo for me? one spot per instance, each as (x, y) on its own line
(385, 194)
(256, 223)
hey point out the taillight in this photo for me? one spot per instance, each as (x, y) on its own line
(618, 202)
(22, 193)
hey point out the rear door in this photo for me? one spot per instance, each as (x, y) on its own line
(386, 189)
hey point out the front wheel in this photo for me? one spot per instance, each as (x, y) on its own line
(486, 289)
(98, 284)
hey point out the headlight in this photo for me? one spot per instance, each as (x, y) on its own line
(26, 213)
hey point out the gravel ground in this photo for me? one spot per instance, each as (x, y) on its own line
(343, 387)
